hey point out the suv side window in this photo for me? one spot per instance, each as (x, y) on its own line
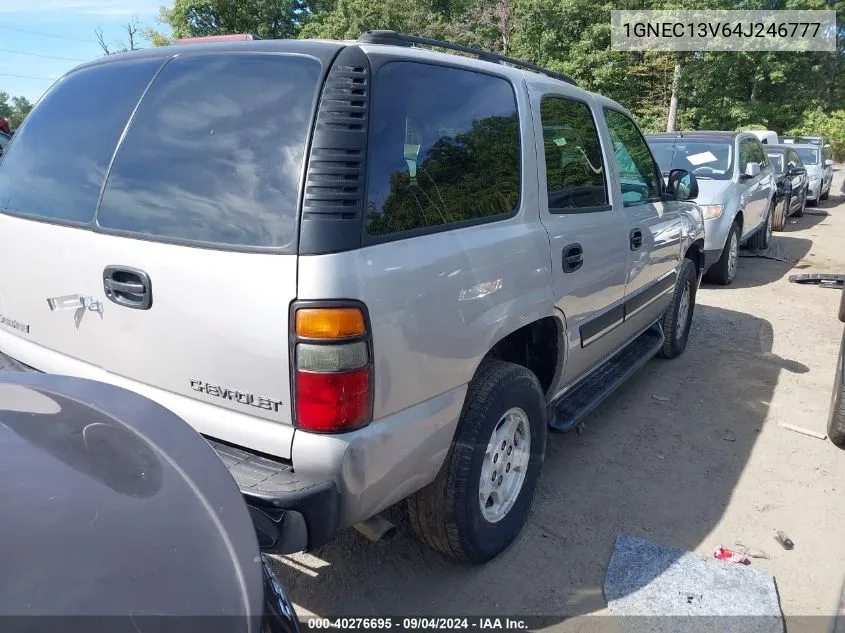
(758, 153)
(793, 160)
(637, 170)
(746, 154)
(56, 166)
(574, 167)
(215, 151)
(443, 149)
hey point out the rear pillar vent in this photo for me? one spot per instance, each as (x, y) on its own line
(333, 202)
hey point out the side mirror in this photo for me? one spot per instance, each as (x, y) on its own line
(682, 185)
(828, 163)
(751, 170)
(797, 171)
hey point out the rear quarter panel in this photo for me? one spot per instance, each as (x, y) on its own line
(432, 320)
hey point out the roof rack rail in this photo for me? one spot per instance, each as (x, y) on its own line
(400, 39)
(234, 37)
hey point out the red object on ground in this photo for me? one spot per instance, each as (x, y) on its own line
(4, 125)
(723, 553)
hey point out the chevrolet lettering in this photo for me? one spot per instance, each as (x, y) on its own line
(235, 395)
(18, 325)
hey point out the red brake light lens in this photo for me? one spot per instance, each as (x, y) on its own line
(333, 402)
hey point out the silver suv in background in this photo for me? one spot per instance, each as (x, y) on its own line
(365, 271)
(736, 191)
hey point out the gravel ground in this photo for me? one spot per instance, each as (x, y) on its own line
(704, 462)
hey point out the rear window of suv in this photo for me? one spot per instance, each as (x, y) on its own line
(55, 167)
(215, 151)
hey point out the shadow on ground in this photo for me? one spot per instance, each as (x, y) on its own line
(659, 460)
(784, 252)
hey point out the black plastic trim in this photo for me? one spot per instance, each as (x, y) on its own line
(394, 38)
(334, 192)
(594, 329)
(649, 293)
(293, 339)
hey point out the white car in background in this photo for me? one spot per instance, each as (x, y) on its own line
(819, 171)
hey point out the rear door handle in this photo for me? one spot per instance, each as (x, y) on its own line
(636, 239)
(128, 287)
(573, 258)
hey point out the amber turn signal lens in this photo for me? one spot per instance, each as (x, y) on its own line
(330, 323)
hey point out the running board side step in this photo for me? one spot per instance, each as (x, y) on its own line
(568, 412)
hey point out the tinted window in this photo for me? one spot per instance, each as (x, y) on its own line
(55, 167)
(706, 159)
(758, 153)
(808, 155)
(4, 140)
(215, 151)
(444, 148)
(574, 169)
(746, 153)
(637, 171)
(794, 161)
(776, 159)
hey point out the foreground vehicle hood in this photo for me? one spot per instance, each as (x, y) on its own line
(115, 506)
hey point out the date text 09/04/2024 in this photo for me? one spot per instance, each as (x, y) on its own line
(669, 30)
(417, 624)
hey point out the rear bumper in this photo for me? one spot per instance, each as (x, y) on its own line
(291, 513)
(329, 482)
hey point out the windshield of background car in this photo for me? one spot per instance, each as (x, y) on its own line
(777, 161)
(704, 158)
(808, 156)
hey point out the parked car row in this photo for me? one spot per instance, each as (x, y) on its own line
(748, 186)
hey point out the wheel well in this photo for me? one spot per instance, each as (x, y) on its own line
(739, 218)
(534, 346)
(695, 253)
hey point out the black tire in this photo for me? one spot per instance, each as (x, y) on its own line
(447, 514)
(781, 214)
(825, 195)
(760, 240)
(720, 272)
(800, 212)
(836, 417)
(676, 329)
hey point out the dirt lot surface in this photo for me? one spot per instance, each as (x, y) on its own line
(690, 453)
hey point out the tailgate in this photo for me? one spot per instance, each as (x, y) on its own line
(156, 238)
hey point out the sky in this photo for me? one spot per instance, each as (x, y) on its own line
(40, 40)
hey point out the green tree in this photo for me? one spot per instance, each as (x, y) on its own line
(269, 19)
(14, 108)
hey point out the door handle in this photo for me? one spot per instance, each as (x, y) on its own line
(128, 287)
(636, 239)
(573, 258)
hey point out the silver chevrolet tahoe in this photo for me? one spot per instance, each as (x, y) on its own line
(364, 271)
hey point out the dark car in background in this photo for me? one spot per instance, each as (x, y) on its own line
(791, 182)
(116, 510)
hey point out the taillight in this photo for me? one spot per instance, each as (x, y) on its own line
(333, 367)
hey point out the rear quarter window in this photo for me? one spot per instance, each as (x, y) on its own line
(215, 151)
(56, 166)
(444, 149)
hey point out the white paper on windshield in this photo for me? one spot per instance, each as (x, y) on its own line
(703, 157)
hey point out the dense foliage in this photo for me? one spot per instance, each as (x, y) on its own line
(787, 92)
